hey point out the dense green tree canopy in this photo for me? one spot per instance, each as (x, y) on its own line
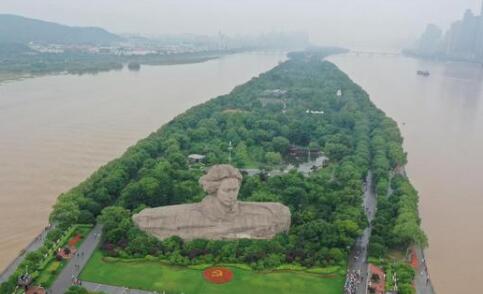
(326, 207)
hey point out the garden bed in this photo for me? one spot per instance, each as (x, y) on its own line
(53, 266)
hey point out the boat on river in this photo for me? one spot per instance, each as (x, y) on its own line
(424, 73)
(134, 66)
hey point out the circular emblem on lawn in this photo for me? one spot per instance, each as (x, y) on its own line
(218, 275)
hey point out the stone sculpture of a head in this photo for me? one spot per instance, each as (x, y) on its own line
(219, 216)
(223, 182)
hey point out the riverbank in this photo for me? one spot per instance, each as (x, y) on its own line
(439, 58)
(36, 243)
(6, 77)
(441, 120)
(95, 66)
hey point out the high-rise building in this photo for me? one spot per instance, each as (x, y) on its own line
(479, 37)
(462, 41)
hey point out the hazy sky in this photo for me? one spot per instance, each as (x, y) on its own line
(352, 23)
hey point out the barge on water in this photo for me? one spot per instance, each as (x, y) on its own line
(423, 73)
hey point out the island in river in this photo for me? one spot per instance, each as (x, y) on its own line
(82, 63)
(326, 206)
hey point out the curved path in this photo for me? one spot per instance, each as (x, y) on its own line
(75, 265)
(358, 257)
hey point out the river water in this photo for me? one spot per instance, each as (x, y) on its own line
(56, 130)
(441, 119)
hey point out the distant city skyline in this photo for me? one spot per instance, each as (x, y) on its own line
(352, 23)
(462, 41)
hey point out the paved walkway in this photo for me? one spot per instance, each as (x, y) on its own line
(75, 265)
(357, 269)
(34, 245)
(421, 280)
(112, 289)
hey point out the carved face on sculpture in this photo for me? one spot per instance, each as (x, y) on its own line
(228, 191)
(223, 182)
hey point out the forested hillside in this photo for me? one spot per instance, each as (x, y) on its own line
(18, 29)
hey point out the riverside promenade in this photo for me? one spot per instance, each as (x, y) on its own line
(357, 275)
(113, 289)
(422, 282)
(34, 245)
(76, 264)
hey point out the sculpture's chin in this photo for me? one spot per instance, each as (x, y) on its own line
(230, 205)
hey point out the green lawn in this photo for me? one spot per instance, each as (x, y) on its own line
(155, 276)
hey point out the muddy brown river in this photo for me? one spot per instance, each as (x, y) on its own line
(441, 119)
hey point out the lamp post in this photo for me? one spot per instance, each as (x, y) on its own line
(230, 148)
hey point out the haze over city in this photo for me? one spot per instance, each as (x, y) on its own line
(383, 24)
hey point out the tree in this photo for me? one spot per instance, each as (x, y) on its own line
(396, 154)
(99, 195)
(348, 228)
(314, 145)
(240, 155)
(336, 254)
(263, 196)
(76, 290)
(65, 213)
(408, 231)
(172, 244)
(280, 144)
(9, 286)
(376, 249)
(141, 244)
(382, 187)
(86, 217)
(54, 235)
(186, 190)
(273, 158)
(116, 221)
(336, 151)
(406, 289)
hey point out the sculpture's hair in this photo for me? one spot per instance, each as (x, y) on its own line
(212, 180)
